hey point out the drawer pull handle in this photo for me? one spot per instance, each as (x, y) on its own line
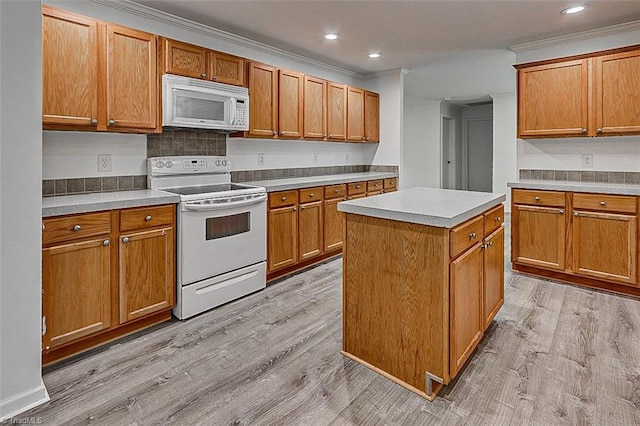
(472, 235)
(560, 211)
(294, 208)
(204, 74)
(105, 243)
(301, 207)
(498, 219)
(311, 195)
(125, 240)
(602, 203)
(357, 186)
(284, 198)
(584, 130)
(336, 191)
(148, 218)
(576, 214)
(77, 228)
(537, 198)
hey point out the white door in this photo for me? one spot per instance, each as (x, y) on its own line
(480, 154)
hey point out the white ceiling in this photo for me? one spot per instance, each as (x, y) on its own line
(409, 34)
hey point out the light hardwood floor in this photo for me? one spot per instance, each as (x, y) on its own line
(555, 354)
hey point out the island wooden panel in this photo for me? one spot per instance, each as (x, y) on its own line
(390, 323)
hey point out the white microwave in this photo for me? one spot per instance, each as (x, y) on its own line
(189, 102)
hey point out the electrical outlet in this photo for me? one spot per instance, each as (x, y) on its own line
(315, 158)
(104, 162)
(346, 158)
(261, 159)
(587, 160)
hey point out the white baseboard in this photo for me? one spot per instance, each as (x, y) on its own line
(16, 404)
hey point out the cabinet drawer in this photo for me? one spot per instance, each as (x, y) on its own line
(493, 219)
(311, 194)
(356, 188)
(465, 235)
(374, 186)
(283, 198)
(335, 191)
(600, 202)
(56, 230)
(539, 198)
(145, 217)
(390, 183)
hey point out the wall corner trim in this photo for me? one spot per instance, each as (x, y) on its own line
(16, 404)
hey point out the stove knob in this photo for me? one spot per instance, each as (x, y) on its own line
(224, 162)
(169, 164)
(218, 163)
(159, 164)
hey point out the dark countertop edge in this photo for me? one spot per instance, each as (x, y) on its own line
(590, 187)
(97, 206)
(294, 183)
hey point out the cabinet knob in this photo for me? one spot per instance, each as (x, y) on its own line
(284, 198)
(105, 243)
(560, 211)
(46, 348)
(490, 244)
(602, 203)
(584, 130)
(125, 240)
(204, 74)
(576, 214)
(537, 198)
(301, 208)
(294, 208)
(215, 78)
(472, 235)
(599, 130)
(77, 228)
(375, 185)
(273, 132)
(147, 218)
(282, 133)
(112, 122)
(311, 195)
(94, 121)
(336, 191)
(498, 219)
(357, 186)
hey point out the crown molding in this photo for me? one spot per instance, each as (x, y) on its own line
(580, 36)
(393, 71)
(186, 24)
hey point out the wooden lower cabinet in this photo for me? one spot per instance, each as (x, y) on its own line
(538, 236)
(310, 230)
(88, 278)
(333, 225)
(282, 237)
(493, 275)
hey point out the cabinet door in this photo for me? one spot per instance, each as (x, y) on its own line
(76, 297)
(465, 298)
(617, 90)
(355, 114)
(147, 278)
(227, 69)
(553, 100)
(493, 271)
(371, 117)
(538, 236)
(131, 79)
(290, 104)
(310, 230)
(333, 225)
(336, 111)
(605, 246)
(69, 69)
(282, 238)
(184, 59)
(315, 108)
(263, 100)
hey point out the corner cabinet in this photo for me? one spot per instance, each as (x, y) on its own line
(97, 76)
(104, 276)
(587, 95)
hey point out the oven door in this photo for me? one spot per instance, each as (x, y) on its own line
(215, 239)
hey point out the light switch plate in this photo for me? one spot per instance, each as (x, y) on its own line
(104, 162)
(587, 160)
(261, 159)
(315, 158)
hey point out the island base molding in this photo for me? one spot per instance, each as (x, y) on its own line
(591, 283)
(430, 385)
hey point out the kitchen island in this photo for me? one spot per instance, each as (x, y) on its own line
(423, 277)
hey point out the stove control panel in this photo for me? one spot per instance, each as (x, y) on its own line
(183, 165)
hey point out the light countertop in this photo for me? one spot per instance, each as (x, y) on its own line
(442, 208)
(311, 181)
(594, 187)
(84, 203)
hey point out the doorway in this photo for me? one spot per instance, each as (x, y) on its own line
(477, 147)
(448, 165)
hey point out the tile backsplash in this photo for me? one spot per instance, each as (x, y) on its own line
(51, 187)
(270, 174)
(581, 176)
(186, 142)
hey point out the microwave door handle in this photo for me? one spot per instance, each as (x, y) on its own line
(209, 207)
(232, 113)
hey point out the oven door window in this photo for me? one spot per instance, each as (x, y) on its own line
(227, 226)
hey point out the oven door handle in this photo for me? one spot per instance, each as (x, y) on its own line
(209, 207)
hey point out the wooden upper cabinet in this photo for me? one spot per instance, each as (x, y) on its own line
(70, 69)
(132, 88)
(263, 100)
(617, 93)
(226, 68)
(315, 108)
(371, 117)
(355, 114)
(184, 59)
(553, 99)
(290, 104)
(336, 111)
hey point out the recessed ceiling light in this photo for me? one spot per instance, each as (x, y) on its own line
(331, 36)
(374, 55)
(573, 9)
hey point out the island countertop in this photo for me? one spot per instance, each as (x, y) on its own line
(442, 208)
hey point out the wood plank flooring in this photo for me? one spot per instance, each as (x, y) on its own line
(555, 354)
